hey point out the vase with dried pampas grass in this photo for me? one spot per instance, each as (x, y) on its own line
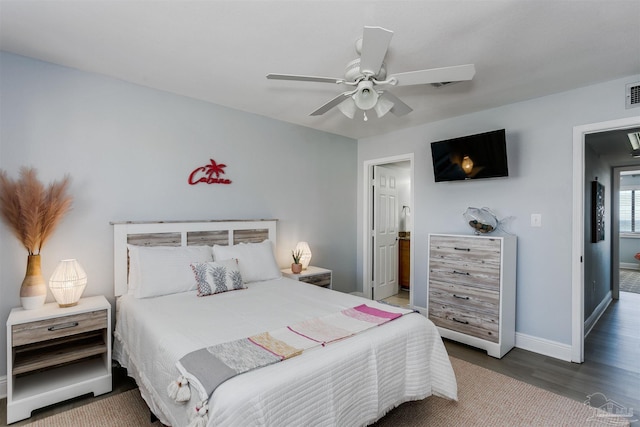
(31, 212)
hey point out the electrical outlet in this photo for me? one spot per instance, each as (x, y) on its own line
(536, 220)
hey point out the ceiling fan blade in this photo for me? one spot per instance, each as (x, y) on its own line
(436, 75)
(399, 107)
(375, 42)
(329, 105)
(303, 78)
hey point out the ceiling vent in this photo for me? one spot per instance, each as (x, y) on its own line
(633, 95)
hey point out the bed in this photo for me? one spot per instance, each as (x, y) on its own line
(351, 382)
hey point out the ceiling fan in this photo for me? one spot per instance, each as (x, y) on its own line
(368, 77)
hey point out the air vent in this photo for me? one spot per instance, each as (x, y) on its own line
(633, 95)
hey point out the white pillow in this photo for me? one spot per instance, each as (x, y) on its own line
(217, 277)
(255, 260)
(162, 270)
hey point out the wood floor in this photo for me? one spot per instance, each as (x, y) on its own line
(611, 366)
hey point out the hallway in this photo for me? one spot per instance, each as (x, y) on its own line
(613, 346)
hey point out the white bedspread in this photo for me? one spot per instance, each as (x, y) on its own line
(353, 382)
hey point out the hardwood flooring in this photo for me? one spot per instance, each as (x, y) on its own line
(611, 366)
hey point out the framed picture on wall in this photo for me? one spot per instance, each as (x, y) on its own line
(597, 212)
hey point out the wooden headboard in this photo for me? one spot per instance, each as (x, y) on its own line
(182, 233)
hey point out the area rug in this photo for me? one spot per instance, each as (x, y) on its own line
(486, 398)
(630, 281)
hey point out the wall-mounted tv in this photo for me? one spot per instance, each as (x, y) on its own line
(479, 156)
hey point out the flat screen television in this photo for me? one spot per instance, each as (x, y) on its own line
(479, 156)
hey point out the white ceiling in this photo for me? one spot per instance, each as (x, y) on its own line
(220, 51)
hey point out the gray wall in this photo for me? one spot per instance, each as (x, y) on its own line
(129, 150)
(597, 256)
(629, 246)
(539, 145)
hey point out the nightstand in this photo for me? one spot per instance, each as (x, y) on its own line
(315, 275)
(55, 354)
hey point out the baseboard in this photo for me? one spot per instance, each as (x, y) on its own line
(599, 311)
(630, 266)
(543, 346)
(3, 387)
(358, 294)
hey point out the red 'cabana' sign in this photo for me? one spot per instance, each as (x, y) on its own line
(205, 174)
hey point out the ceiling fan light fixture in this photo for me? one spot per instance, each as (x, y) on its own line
(348, 107)
(365, 97)
(383, 106)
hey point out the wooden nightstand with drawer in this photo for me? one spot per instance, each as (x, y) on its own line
(55, 354)
(313, 275)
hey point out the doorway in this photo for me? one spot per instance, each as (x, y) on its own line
(580, 134)
(387, 245)
(627, 202)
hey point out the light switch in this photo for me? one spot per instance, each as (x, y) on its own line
(536, 220)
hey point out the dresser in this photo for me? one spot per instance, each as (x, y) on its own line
(472, 290)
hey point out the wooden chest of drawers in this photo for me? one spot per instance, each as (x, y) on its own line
(472, 290)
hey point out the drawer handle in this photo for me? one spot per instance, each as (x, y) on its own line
(464, 322)
(462, 249)
(63, 326)
(465, 273)
(461, 297)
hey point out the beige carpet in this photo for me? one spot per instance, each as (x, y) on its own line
(486, 398)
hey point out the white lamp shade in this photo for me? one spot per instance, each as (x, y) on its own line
(348, 107)
(366, 97)
(306, 254)
(383, 106)
(67, 282)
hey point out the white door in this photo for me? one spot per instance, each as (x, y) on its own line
(385, 233)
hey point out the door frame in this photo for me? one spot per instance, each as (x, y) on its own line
(367, 206)
(577, 249)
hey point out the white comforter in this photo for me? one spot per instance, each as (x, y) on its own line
(349, 383)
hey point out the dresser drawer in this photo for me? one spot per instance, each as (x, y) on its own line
(465, 261)
(462, 320)
(477, 277)
(323, 279)
(44, 330)
(458, 248)
(470, 298)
